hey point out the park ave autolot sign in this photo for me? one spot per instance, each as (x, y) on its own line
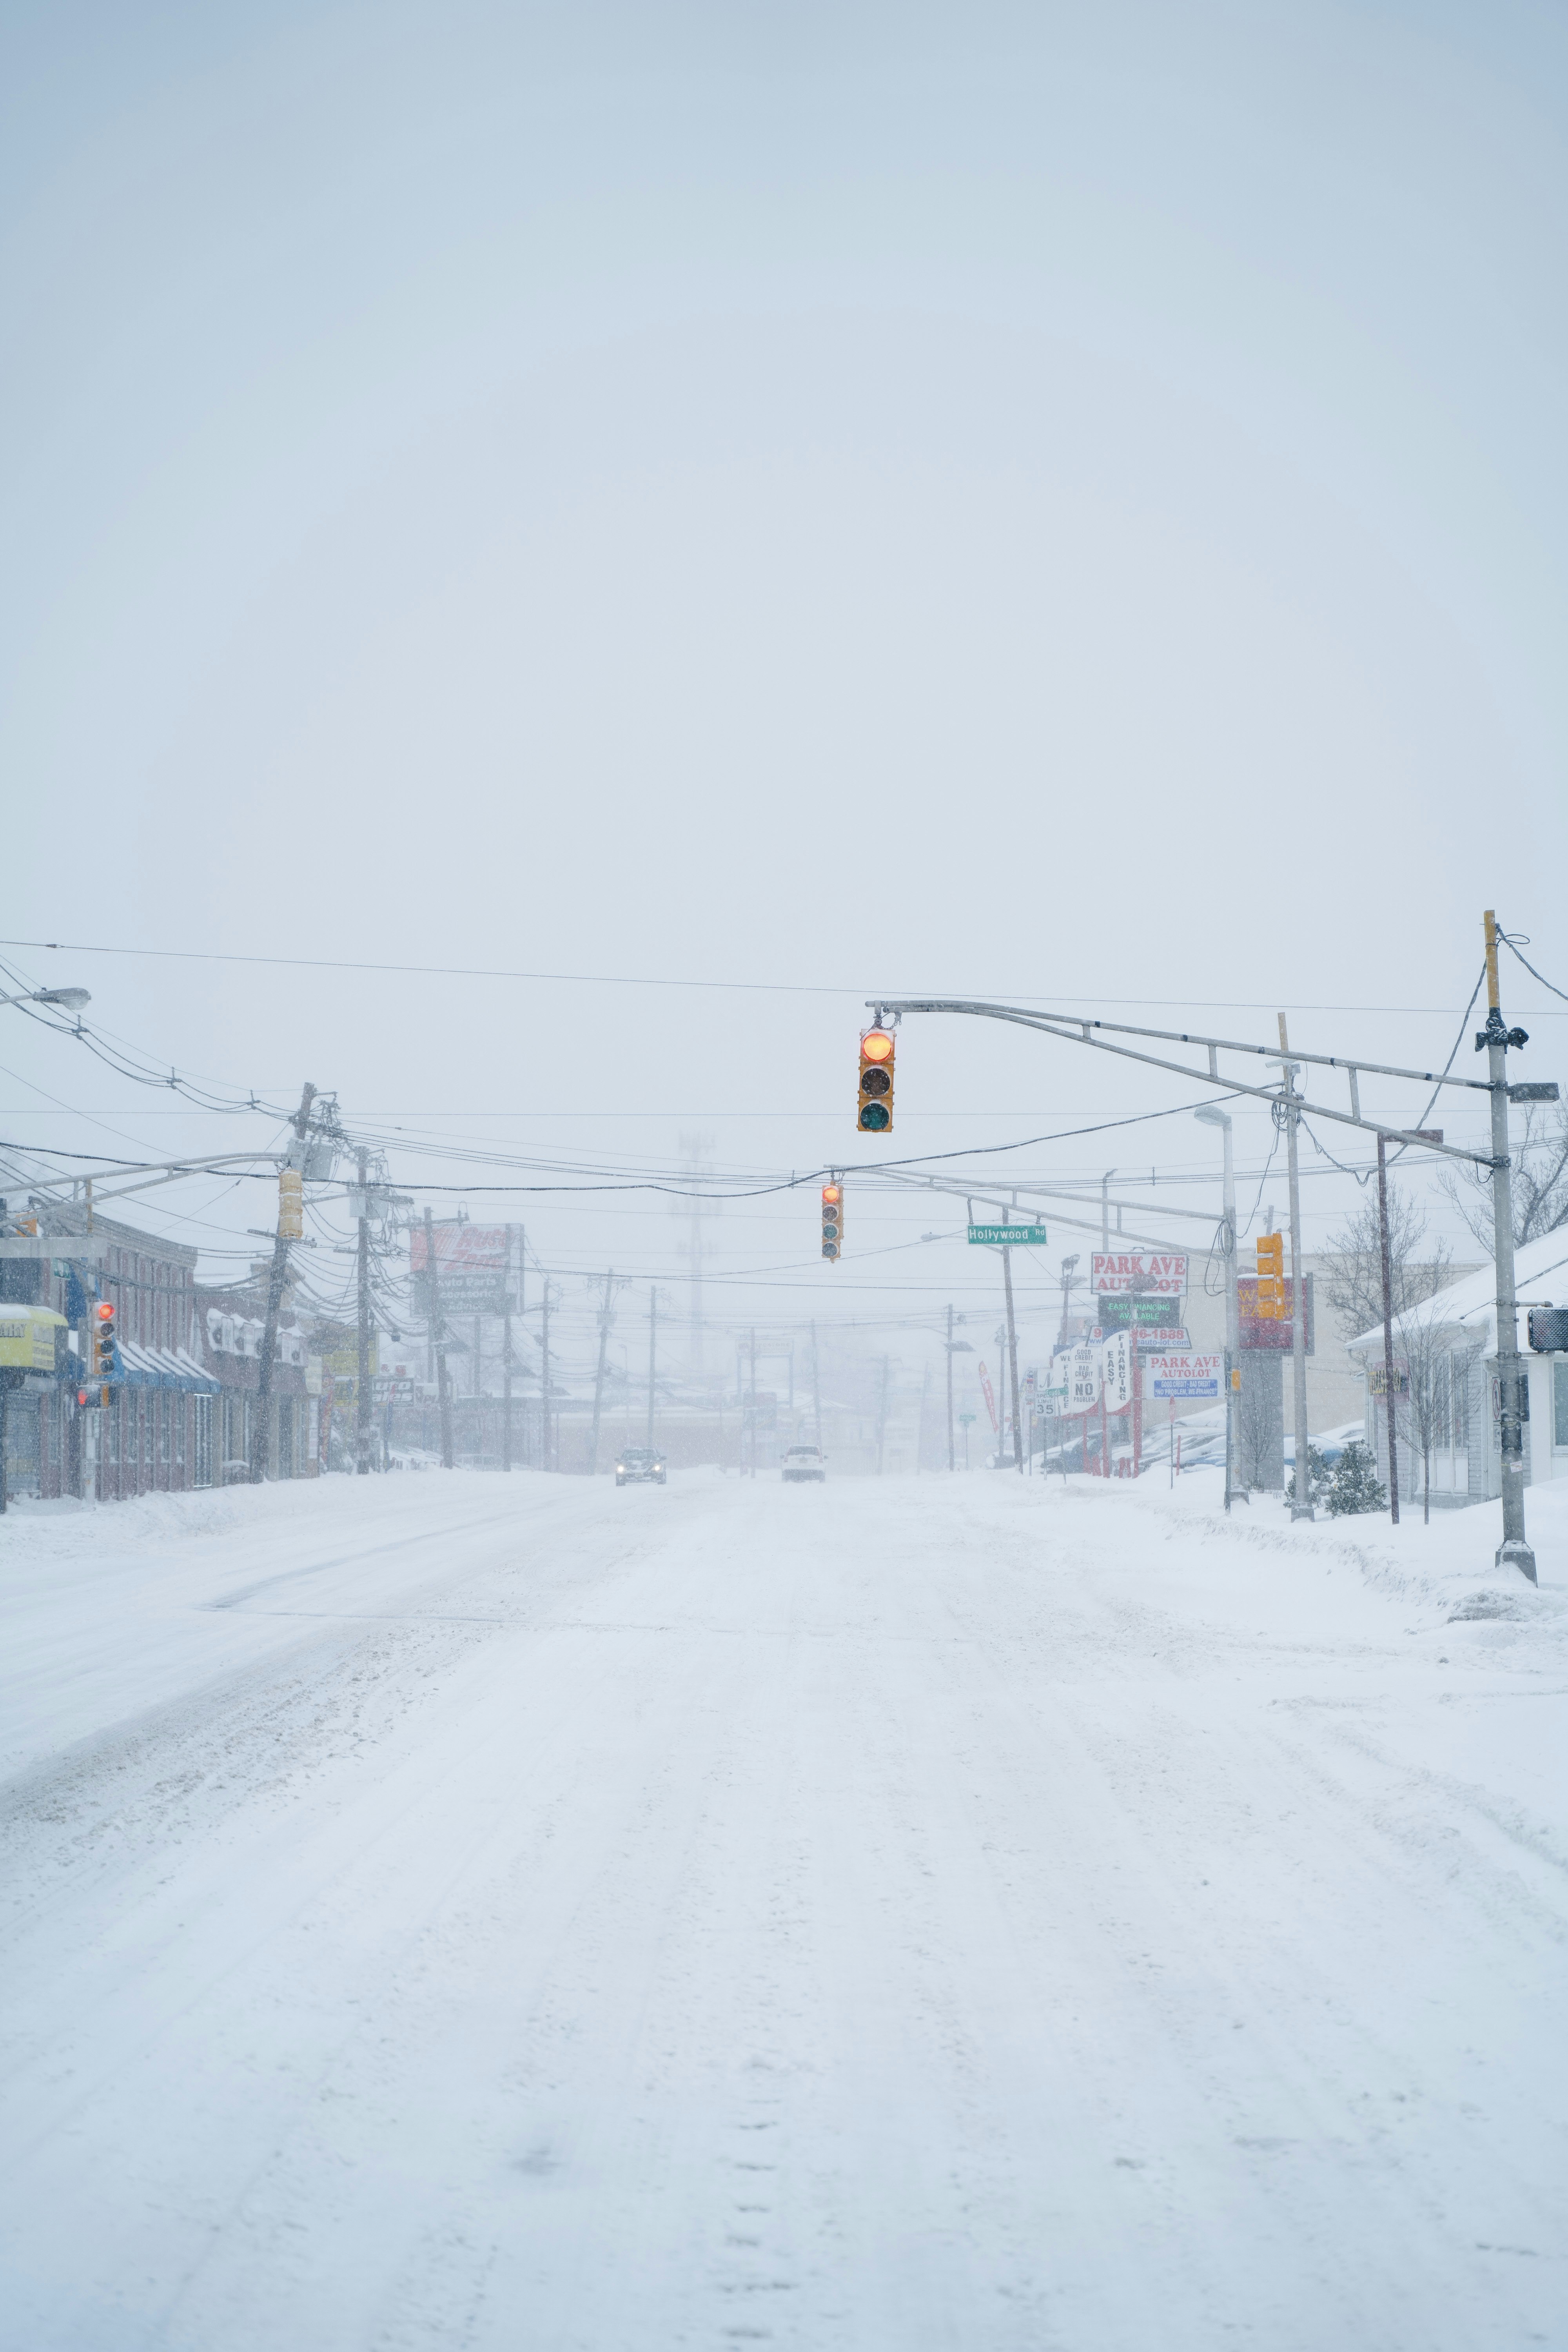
(1184, 1375)
(1148, 1274)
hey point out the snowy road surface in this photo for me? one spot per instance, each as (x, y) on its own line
(974, 1913)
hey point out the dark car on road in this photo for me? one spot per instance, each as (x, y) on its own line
(634, 1462)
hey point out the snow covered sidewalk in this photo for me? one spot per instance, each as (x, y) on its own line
(979, 1913)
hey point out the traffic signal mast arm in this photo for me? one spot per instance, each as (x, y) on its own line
(1075, 1031)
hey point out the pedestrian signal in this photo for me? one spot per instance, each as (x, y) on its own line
(290, 1205)
(105, 1345)
(1271, 1305)
(876, 1113)
(832, 1219)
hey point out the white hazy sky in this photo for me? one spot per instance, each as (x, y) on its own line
(994, 498)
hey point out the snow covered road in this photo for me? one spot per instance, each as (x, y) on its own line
(985, 1914)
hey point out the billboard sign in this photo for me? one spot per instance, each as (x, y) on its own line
(471, 1266)
(1142, 1274)
(1186, 1375)
(1264, 1332)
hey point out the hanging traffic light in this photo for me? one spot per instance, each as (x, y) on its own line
(832, 1220)
(876, 1113)
(1271, 1305)
(105, 1363)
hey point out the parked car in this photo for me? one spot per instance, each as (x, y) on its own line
(804, 1462)
(639, 1462)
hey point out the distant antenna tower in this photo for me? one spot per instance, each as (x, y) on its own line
(696, 1164)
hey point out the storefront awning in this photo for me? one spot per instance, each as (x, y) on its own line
(163, 1368)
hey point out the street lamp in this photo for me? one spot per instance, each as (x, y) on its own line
(1211, 1114)
(69, 999)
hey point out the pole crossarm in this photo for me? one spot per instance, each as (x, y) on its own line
(1077, 1032)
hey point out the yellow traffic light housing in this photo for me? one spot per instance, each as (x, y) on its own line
(104, 1359)
(1271, 1301)
(875, 1115)
(832, 1220)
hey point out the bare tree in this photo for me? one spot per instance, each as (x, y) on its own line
(1352, 1265)
(1539, 1180)
(1353, 1282)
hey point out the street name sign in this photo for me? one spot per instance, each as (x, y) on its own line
(1002, 1237)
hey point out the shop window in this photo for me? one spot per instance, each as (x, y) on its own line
(165, 1402)
(1559, 1404)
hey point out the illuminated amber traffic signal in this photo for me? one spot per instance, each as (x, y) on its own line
(832, 1220)
(876, 1111)
(105, 1363)
(1271, 1304)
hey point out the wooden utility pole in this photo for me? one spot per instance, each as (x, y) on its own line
(599, 1375)
(652, 1340)
(261, 1436)
(952, 1457)
(1012, 1357)
(438, 1341)
(362, 1397)
(753, 1401)
(546, 1451)
(506, 1355)
(1390, 1423)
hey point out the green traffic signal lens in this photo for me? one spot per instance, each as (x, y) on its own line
(875, 1116)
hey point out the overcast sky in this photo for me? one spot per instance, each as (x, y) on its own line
(1045, 502)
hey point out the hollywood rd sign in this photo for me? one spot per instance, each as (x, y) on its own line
(1145, 1274)
(1186, 1375)
(1007, 1236)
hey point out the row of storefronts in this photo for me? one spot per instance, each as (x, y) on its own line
(181, 1407)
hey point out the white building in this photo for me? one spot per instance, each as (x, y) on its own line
(1456, 1332)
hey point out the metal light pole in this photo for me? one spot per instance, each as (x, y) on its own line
(1388, 1416)
(1212, 1116)
(362, 1393)
(1301, 1506)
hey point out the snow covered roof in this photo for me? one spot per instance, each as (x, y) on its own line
(1468, 1307)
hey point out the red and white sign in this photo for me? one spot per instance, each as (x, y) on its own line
(462, 1246)
(1149, 1274)
(985, 1392)
(1117, 1359)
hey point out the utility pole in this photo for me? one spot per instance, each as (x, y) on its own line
(599, 1375)
(816, 1390)
(1389, 1421)
(547, 1452)
(1301, 1507)
(882, 1416)
(261, 1436)
(506, 1358)
(1514, 1550)
(437, 1342)
(952, 1457)
(652, 1340)
(362, 1393)
(753, 1400)
(1212, 1116)
(920, 1439)
(1012, 1357)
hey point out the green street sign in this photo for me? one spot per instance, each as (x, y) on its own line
(1004, 1236)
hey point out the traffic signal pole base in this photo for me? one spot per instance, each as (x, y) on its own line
(1517, 1554)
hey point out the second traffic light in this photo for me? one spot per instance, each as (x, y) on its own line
(105, 1363)
(875, 1116)
(1271, 1304)
(832, 1220)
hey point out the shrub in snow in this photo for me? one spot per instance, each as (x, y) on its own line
(1318, 1477)
(1355, 1485)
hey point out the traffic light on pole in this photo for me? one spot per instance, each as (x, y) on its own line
(1271, 1305)
(832, 1220)
(876, 1112)
(105, 1361)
